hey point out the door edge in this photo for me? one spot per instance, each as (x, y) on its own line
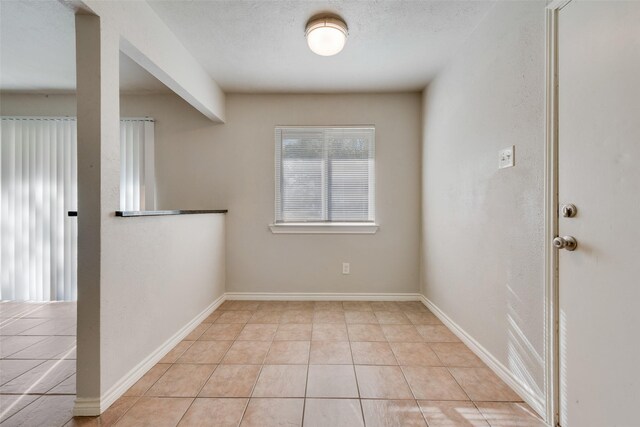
(551, 296)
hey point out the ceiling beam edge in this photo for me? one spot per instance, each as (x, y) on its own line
(146, 39)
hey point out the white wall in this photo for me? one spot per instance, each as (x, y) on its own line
(17, 104)
(482, 261)
(166, 272)
(231, 166)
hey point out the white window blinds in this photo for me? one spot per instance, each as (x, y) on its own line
(38, 179)
(137, 175)
(325, 174)
(39, 186)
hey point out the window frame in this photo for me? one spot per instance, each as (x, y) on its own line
(321, 227)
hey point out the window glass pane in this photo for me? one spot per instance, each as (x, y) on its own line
(348, 176)
(303, 169)
(325, 174)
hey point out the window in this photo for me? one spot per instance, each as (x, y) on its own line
(325, 178)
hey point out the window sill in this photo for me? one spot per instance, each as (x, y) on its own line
(324, 228)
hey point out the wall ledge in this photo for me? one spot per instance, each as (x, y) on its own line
(324, 228)
(170, 212)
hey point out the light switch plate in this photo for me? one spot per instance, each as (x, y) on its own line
(506, 157)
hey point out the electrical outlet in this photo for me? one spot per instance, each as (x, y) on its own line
(346, 268)
(506, 157)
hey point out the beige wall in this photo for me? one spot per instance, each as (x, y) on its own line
(200, 164)
(231, 166)
(482, 261)
(16, 104)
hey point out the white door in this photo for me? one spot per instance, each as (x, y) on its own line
(599, 172)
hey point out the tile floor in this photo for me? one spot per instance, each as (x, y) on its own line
(37, 363)
(288, 363)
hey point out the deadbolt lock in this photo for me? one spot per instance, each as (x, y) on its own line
(569, 211)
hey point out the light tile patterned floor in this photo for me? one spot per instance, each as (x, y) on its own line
(37, 363)
(323, 363)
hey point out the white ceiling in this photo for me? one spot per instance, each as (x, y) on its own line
(37, 51)
(254, 46)
(36, 46)
(259, 45)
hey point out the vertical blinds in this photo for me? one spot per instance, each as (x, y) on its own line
(137, 181)
(325, 174)
(39, 184)
(38, 177)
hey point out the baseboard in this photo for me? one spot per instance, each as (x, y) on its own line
(328, 296)
(536, 402)
(86, 407)
(93, 407)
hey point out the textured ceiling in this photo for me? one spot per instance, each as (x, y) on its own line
(36, 46)
(259, 45)
(37, 51)
(254, 46)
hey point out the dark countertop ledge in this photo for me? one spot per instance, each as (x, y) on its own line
(174, 212)
(128, 214)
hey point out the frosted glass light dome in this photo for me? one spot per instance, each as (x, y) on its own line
(326, 36)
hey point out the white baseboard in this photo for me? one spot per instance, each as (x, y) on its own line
(329, 296)
(86, 407)
(536, 402)
(93, 407)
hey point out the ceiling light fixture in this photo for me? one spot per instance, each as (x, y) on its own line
(326, 35)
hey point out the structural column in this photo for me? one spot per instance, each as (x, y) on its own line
(97, 78)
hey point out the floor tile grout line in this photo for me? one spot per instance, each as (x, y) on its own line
(244, 412)
(137, 399)
(415, 399)
(484, 417)
(30, 345)
(54, 357)
(355, 375)
(46, 373)
(21, 409)
(140, 396)
(19, 375)
(253, 387)
(23, 333)
(14, 321)
(10, 406)
(37, 394)
(66, 378)
(203, 383)
(38, 335)
(306, 381)
(21, 316)
(458, 382)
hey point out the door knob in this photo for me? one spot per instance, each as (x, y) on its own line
(567, 242)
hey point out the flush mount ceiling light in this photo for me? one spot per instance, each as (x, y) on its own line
(326, 35)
